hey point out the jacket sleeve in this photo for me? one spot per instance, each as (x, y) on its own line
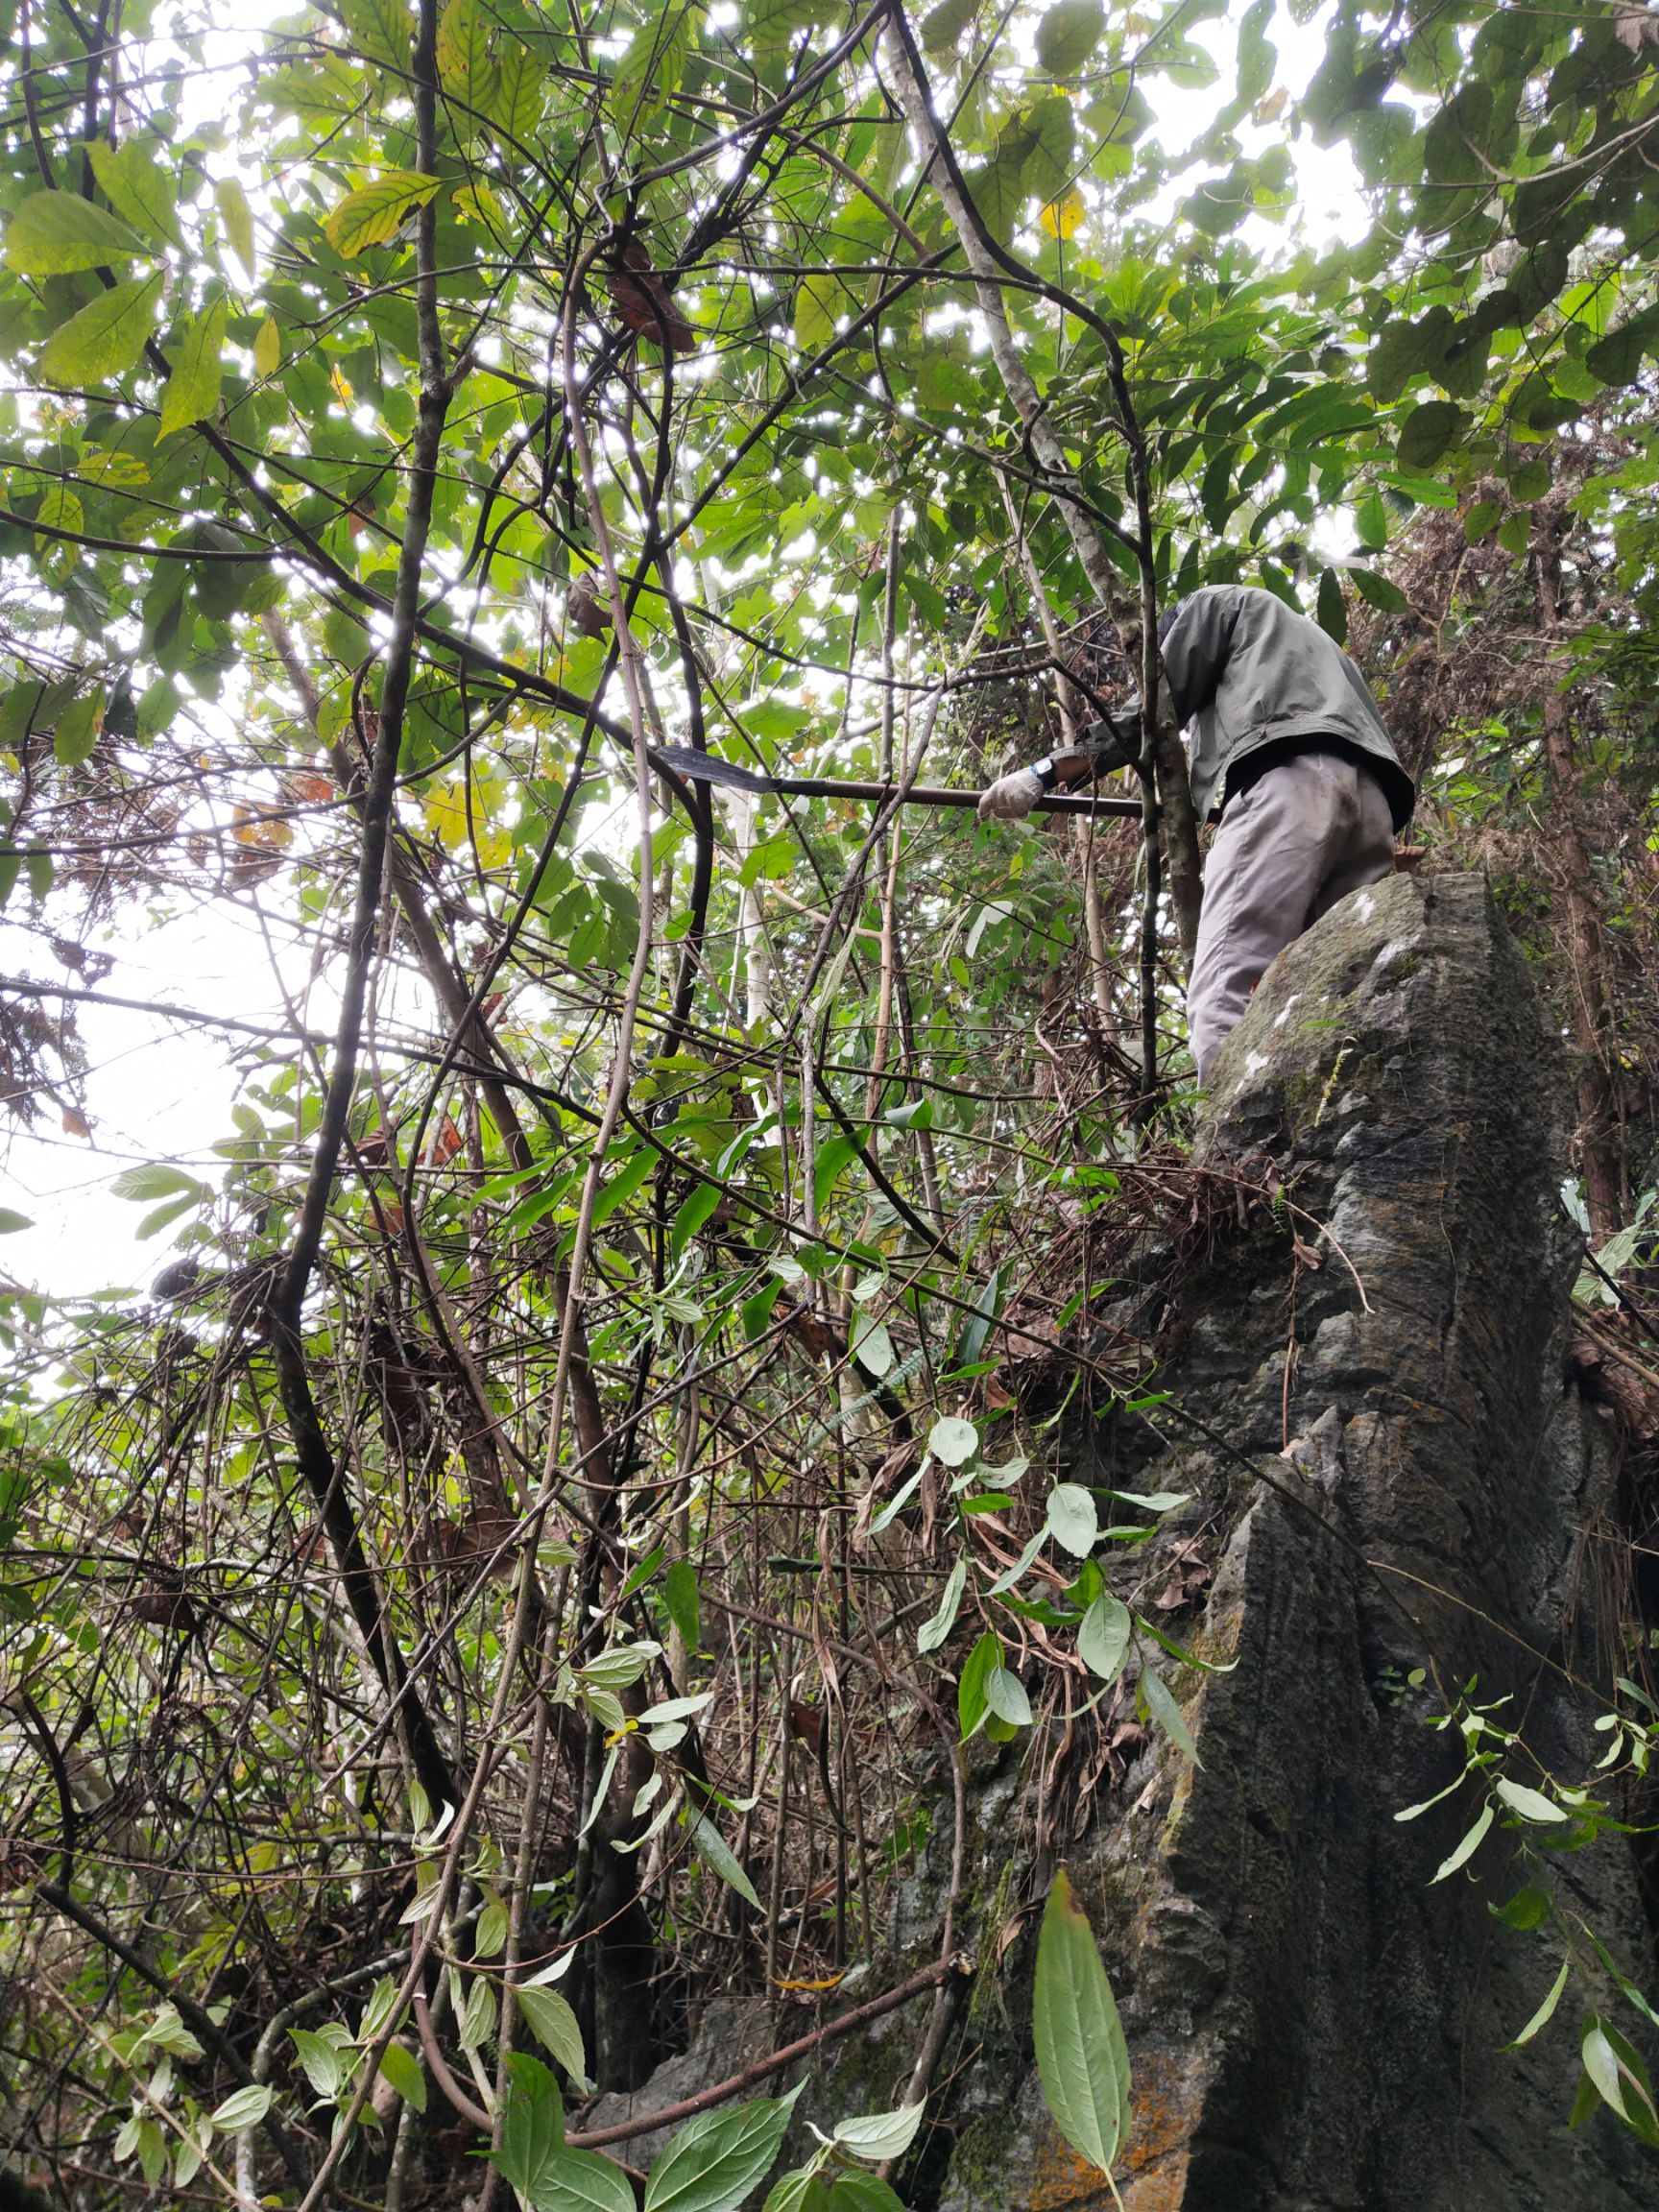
(1197, 646)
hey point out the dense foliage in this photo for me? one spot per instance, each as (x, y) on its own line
(591, 1450)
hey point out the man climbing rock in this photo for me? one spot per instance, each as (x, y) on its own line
(1287, 751)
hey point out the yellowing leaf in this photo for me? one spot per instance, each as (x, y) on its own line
(342, 391)
(268, 347)
(237, 218)
(106, 338)
(478, 204)
(1061, 217)
(193, 389)
(466, 65)
(375, 212)
(99, 468)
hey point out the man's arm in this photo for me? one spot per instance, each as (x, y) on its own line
(1105, 746)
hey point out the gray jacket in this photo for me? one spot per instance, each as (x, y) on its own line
(1250, 674)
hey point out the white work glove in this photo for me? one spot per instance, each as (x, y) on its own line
(1011, 798)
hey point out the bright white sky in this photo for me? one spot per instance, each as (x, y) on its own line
(162, 1091)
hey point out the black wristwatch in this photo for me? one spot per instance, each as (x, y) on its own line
(1044, 771)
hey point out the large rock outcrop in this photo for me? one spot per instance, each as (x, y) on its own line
(1389, 1478)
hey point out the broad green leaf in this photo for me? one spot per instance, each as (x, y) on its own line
(581, 2181)
(1067, 34)
(320, 2057)
(192, 391)
(680, 1595)
(154, 1179)
(11, 1222)
(952, 1441)
(1428, 431)
(77, 731)
(375, 212)
(53, 233)
(943, 26)
(1082, 2059)
(981, 1662)
(532, 2124)
(1072, 1518)
(1333, 607)
(880, 2135)
(555, 2027)
(243, 2108)
(1530, 1804)
(1005, 1694)
(1103, 1636)
(402, 2070)
(714, 2160)
(105, 339)
(140, 189)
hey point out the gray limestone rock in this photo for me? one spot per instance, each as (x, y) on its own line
(1314, 2025)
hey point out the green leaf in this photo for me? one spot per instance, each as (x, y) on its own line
(105, 339)
(320, 2057)
(714, 2160)
(943, 26)
(939, 1625)
(952, 1441)
(53, 233)
(154, 1179)
(1162, 1706)
(532, 2124)
(1546, 2010)
(981, 1662)
(1332, 607)
(1082, 2059)
(679, 1594)
(880, 2135)
(555, 2027)
(1530, 1804)
(243, 2108)
(1103, 1636)
(1466, 1850)
(193, 389)
(1378, 592)
(1005, 1694)
(237, 218)
(139, 190)
(1067, 34)
(1072, 1519)
(1528, 1908)
(402, 2070)
(1428, 431)
(377, 211)
(582, 2181)
(712, 1849)
(11, 1222)
(77, 731)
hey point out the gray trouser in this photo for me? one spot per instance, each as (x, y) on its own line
(1310, 832)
